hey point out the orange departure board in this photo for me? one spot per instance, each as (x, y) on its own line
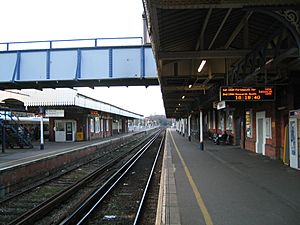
(247, 94)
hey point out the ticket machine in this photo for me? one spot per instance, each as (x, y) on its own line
(294, 138)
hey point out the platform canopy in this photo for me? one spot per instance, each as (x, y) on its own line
(237, 42)
(64, 97)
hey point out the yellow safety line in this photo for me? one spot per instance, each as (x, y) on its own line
(200, 201)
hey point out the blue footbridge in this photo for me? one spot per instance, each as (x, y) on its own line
(77, 63)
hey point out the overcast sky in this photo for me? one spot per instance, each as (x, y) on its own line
(28, 20)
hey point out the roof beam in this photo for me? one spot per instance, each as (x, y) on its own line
(290, 52)
(200, 42)
(185, 88)
(220, 27)
(238, 29)
(207, 54)
(212, 54)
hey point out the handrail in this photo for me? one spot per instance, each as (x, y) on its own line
(95, 42)
(18, 129)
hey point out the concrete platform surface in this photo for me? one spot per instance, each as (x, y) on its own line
(225, 185)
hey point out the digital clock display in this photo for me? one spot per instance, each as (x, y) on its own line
(247, 94)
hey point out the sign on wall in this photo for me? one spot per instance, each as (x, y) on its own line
(247, 94)
(54, 113)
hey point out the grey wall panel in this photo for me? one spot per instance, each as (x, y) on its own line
(94, 64)
(63, 65)
(7, 66)
(126, 63)
(33, 66)
(150, 64)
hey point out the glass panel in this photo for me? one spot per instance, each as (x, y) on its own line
(92, 125)
(60, 126)
(249, 123)
(69, 127)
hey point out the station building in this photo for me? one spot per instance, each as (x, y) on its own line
(74, 116)
(239, 44)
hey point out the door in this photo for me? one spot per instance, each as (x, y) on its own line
(60, 134)
(260, 132)
(259, 148)
(69, 131)
(294, 134)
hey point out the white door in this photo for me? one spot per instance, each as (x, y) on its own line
(60, 131)
(294, 132)
(260, 132)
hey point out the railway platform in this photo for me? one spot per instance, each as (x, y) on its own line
(18, 166)
(224, 185)
(15, 157)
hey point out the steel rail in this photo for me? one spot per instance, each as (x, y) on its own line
(38, 183)
(138, 213)
(45, 207)
(81, 214)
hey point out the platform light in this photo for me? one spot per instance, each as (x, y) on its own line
(183, 97)
(269, 61)
(179, 104)
(190, 86)
(201, 65)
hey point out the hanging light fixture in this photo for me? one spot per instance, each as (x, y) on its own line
(201, 65)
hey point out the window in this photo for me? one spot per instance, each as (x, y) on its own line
(107, 125)
(60, 126)
(102, 124)
(221, 120)
(97, 124)
(229, 120)
(249, 123)
(213, 119)
(209, 120)
(268, 127)
(92, 125)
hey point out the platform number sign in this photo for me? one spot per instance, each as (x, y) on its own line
(247, 93)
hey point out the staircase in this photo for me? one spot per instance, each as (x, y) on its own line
(15, 134)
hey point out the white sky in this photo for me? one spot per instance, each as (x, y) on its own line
(30, 20)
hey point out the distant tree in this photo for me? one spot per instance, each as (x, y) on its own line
(160, 120)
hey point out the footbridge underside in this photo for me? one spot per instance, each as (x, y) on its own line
(78, 67)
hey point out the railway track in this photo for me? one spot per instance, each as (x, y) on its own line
(121, 199)
(38, 201)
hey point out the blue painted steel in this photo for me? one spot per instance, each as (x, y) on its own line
(48, 65)
(110, 62)
(33, 66)
(16, 73)
(94, 63)
(143, 62)
(150, 63)
(78, 69)
(7, 66)
(133, 62)
(127, 64)
(8, 45)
